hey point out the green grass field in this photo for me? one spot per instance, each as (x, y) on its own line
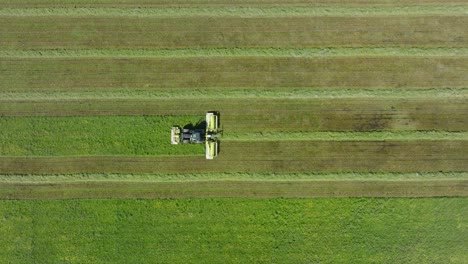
(345, 131)
(235, 230)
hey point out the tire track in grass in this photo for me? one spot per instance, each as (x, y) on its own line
(268, 157)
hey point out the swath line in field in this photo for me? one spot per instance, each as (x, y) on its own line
(246, 93)
(239, 11)
(226, 176)
(99, 190)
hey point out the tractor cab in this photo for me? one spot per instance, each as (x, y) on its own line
(209, 135)
(185, 135)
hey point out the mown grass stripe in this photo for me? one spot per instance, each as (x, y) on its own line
(66, 32)
(28, 74)
(236, 52)
(346, 136)
(215, 177)
(445, 10)
(235, 189)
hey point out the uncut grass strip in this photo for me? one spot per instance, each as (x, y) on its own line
(240, 177)
(237, 52)
(231, 32)
(268, 157)
(253, 115)
(305, 189)
(251, 11)
(219, 93)
(188, 230)
(58, 74)
(197, 3)
(72, 136)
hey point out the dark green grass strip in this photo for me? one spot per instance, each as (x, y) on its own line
(234, 189)
(335, 230)
(91, 32)
(55, 74)
(250, 115)
(268, 157)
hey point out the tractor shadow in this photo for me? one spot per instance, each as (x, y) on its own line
(199, 125)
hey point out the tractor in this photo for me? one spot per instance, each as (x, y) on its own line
(209, 135)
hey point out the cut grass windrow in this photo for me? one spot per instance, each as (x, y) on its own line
(268, 157)
(250, 115)
(32, 74)
(241, 177)
(237, 52)
(9, 97)
(272, 11)
(234, 189)
(62, 32)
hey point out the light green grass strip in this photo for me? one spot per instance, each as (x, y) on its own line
(69, 178)
(347, 136)
(234, 52)
(271, 11)
(293, 93)
(110, 135)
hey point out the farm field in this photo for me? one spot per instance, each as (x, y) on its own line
(345, 131)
